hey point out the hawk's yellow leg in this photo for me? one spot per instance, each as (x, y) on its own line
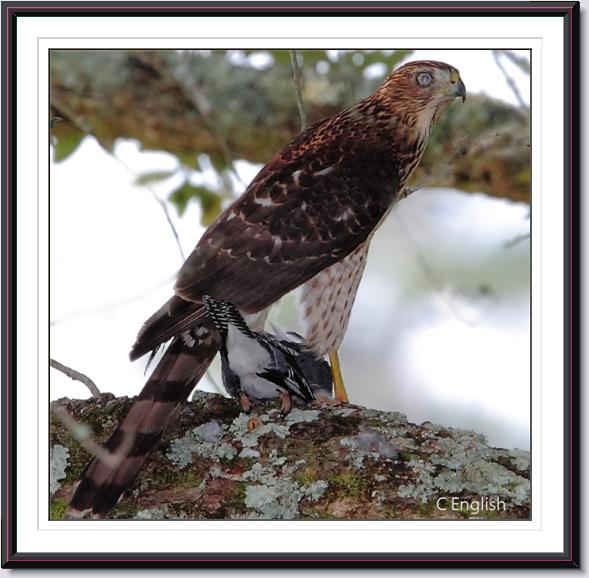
(339, 389)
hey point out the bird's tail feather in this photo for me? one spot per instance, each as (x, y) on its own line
(177, 373)
(176, 316)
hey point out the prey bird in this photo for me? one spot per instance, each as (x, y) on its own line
(306, 220)
(257, 365)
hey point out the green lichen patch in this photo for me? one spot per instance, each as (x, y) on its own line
(152, 514)
(58, 458)
(250, 438)
(205, 441)
(369, 443)
(516, 460)
(276, 495)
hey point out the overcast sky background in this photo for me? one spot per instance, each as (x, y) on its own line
(440, 329)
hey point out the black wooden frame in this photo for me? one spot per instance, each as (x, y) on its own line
(569, 13)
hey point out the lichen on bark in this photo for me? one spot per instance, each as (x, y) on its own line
(323, 462)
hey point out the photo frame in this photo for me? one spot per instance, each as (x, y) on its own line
(550, 538)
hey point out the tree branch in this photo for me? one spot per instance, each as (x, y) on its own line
(144, 96)
(508, 79)
(429, 273)
(162, 204)
(76, 376)
(297, 75)
(320, 462)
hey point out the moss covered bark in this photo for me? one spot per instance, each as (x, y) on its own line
(321, 462)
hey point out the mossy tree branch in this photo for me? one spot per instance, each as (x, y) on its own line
(323, 462)
(217, 105)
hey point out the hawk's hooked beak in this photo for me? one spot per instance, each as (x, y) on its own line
(457, 87)
(460, 89)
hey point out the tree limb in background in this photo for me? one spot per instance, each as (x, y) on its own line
(297, 75)
(521, 62)
(428, 272)
(510, 82)
(76, 375)
(208, 114)
(110, 307)
(162, 204)
(516, 240)
(147, 96)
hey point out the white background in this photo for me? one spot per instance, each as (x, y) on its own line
(307, 572)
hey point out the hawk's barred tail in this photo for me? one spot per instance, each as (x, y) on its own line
(175, 376)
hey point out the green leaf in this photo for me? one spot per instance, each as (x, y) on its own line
(210, 201)
(311, 57)
(219, 162)
(188, 159)
(211, 207)
(281, 57)
(65, 145)
(153, 177)
(388, 58)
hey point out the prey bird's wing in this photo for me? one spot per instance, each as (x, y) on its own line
(286, 371)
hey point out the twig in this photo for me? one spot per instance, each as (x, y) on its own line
(429, 273)
(207, 113)
(298, 82)
(508, 79)
(161, 203)
(516, 240)
(111, 306)
(76, 375)
(522, 63)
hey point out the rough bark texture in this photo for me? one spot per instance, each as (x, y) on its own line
(321, 462)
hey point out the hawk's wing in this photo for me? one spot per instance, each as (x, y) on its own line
(307, 209)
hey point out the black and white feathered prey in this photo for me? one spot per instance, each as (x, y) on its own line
(310, 209)
(259, 366)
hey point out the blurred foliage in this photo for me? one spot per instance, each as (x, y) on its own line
(480, 146)
(228, 105)
(210, 202)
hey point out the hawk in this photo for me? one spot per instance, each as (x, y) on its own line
(307, 220)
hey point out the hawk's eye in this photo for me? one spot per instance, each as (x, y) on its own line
(424, 79)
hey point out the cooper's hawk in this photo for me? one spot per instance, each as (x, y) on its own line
(306, 219)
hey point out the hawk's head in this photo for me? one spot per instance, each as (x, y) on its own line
(419, 91)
